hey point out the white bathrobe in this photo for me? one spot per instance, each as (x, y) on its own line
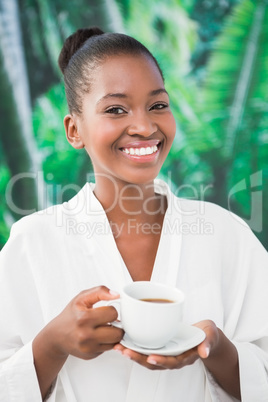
(204, 250)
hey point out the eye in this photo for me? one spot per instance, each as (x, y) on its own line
(115, 110)
(159, 106)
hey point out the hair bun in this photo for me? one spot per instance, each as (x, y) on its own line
(73, 43)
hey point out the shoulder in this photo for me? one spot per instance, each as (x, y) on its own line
(209, 211)
(36, 222)
(221, 239)
(202, 216)
(51, 220)
(199, 210)
(214, 224)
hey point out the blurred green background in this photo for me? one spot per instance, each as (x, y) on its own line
(214, 54)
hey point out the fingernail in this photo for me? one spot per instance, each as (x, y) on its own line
(207, 350)
(127, 355)
(113, 293)
(151, 361)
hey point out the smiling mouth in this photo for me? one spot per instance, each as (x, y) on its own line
(141, 151)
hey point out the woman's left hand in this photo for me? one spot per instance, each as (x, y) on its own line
(157, 362)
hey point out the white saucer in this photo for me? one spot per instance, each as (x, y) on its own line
(189, 337)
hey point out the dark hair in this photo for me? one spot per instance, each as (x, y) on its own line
(85, 50)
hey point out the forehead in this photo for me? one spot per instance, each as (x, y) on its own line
(126, 73)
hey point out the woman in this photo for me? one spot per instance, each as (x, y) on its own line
(61, 266)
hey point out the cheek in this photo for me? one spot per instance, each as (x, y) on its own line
(106, 134)
(101, 137)
(170, 127)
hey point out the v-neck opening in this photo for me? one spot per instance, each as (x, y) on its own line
(164, 244)
(156, 255)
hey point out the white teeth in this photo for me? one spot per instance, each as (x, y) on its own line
(140, 151)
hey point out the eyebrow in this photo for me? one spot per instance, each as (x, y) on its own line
(124, 96)
(158, 91)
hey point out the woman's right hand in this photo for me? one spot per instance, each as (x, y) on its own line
(79, 330)
(83, 331)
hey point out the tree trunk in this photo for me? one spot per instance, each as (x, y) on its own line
(16, 132)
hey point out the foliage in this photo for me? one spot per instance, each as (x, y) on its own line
(62, 165)
(233, 105)
(210, 15)
(214, 55)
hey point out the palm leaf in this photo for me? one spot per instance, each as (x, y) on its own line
(233, 108)
(237, 76)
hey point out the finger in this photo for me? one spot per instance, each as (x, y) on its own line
(98, 341)
(174, 362)
(120, 348)
(140, 359)
(203, 350)
(87, 353)
(105, 347)
(100, 316)
(109, 335)
(87, 298)
(210, 329)
(212, 337)
(93, 318)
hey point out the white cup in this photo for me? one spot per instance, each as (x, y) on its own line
(150, 324)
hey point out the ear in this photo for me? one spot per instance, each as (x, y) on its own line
(71, 132)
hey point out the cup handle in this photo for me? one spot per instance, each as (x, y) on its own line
(117, 323)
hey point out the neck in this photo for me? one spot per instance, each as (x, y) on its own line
(122, 201)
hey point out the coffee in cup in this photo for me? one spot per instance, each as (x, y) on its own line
(157, 300)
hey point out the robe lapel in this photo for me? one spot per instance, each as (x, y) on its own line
(167, 261)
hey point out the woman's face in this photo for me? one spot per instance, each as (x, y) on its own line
(126, 125)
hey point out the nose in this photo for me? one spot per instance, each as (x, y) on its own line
(142, 124)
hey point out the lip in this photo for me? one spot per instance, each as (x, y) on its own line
(142, 158)
(140, 144)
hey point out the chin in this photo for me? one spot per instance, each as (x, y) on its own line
(140, 178)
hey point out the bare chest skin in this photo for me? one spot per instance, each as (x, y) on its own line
(138, 252)
(138, 244)
(137, 232)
